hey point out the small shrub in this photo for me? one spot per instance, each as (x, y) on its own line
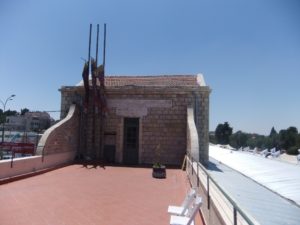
(293, 150)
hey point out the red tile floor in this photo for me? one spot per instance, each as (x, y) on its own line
(77, 195)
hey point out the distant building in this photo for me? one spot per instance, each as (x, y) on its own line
(15, 123)
(31, 121)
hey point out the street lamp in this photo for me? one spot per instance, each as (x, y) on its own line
(4, 105)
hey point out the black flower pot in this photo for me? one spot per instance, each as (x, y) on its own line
(159, 171)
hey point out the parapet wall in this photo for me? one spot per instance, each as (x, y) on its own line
(192, 143)
(61, 137)
(57, 147)
(30, 165)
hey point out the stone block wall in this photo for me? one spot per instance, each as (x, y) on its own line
(165, 127)
(202, 123)
(61, 137)
(162, 113)
(69, 96)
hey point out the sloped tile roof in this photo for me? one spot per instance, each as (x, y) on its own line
(150, 81)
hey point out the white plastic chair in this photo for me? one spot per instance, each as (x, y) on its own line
(183, 208)
(276, 154)
(189, 218)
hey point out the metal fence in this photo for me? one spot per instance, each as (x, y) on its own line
(18, 149)
(218, 207)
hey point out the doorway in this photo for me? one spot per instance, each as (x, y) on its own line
(131, 141)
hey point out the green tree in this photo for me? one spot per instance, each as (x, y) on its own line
(223, 133)
(238, 139)
(212, 138)
(288, 138)
(3, 115)
(251, 141)
(298, 140)
(272, 140)
(23, 111)
(273, 132)
(11, 113)
(260, 140)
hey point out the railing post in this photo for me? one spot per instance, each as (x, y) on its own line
(208, 196)
(234, 216)
(187, 164)
(192, 165)
(43, 154)
(12, 158)
(197, 174)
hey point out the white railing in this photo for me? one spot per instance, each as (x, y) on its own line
(219, 207)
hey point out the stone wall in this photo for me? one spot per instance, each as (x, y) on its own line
(162, 113)
(33, 164)
(69, 96)
(61, 137)
(58, 146)
(192, 135)
(202, 123)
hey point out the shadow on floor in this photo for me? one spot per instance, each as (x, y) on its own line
(95, 164)
(213, 167)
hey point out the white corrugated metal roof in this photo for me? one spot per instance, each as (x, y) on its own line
(259, 202)
(280, 177)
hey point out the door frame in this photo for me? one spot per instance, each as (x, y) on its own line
(139, 135)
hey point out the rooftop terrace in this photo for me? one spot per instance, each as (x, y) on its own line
(79, 195)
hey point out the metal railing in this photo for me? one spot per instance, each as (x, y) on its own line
(219, 205)
(13, 152)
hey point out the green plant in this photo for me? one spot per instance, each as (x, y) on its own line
(157, 165)
(157, 152)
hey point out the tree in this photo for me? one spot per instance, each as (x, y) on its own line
(260, 139)
(223, 133)
(23, 111)
(251, 142)
(238, 139)
(273, 132)
(288, 138)
(298, 140)
(3, 115)
(212, 138)
(272, 140)
(11, 113)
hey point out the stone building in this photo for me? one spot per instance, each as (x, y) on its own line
(31, 121)
(148, 119)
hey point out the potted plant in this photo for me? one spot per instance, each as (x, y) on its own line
(158, 170)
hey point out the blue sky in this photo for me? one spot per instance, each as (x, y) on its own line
(248, 51)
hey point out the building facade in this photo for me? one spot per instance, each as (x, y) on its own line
(145, 119)
(30, 121)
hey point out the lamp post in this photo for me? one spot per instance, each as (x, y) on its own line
(4, 105)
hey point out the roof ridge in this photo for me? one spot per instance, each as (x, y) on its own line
(157, 80)
(151, 76)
